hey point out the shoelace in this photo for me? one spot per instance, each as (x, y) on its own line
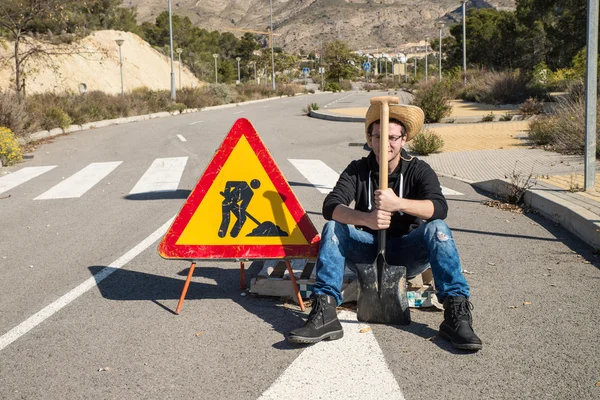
(317, 309)
(462, 309)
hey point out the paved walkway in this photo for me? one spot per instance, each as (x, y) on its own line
(492, 155)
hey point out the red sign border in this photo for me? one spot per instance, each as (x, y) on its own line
(170, 250)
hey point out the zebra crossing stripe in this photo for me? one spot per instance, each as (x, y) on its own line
(318, 173)
(80, 182)
(356, 361)
(21, 176)
(322, 177)
(163, 176)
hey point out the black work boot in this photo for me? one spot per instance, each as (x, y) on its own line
(322, 323)
(458, 324)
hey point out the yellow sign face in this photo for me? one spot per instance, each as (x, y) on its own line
(242, 207)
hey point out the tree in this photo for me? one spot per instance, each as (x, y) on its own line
(29, 25)
(341, 61)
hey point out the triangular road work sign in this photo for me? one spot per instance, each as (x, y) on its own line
(241, 208)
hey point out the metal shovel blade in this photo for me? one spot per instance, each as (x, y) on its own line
(382, 301)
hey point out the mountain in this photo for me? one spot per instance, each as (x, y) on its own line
(305, 24)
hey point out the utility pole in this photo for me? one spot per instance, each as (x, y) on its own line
(591, 85)
(440, 25)
(464, 40)
(119, 43)
(173, 95)
(426, 52)
(272, 53)
(179, 51)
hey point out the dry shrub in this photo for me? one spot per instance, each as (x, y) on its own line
(12, 113)
(532, 106)
(506, 87)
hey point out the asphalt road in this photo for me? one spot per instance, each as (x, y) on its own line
(535, 288)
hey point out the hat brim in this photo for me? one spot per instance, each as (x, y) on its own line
(412, 117)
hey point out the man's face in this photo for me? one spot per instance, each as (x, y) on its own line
(397, 140)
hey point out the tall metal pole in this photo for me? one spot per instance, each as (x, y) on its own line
(464, 40)
(179, 58)
(173, 94)
(426, 52)
(415, 68)
(216, 74)
(440, 56)
(238, 60)
(591, 85)
(272, 53)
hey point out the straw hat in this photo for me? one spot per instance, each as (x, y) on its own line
(412, 118)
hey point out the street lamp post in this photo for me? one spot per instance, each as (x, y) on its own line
(464, 40)
(440, 25)
(173, 95)
(272, 53)
(120, 43)
(426, 52)
(215, 56)
(179, 51)
(591, 85)
(238, 60)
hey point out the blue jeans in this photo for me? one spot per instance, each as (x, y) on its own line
(430, 244)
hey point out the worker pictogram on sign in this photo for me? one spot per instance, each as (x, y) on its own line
(241, 208)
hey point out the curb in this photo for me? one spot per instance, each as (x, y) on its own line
(457, 120)
(576, 219)
(125, 120)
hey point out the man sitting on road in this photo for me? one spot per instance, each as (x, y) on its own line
(411, 209)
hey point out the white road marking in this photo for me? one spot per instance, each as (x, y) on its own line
(317, 173)
(449, 192)
(356, 360)
(197, 122)
(324, 178)
(21, 176)
(239, 112)
(63, 301)
(80, 182)
(163, 176)
(182, 138)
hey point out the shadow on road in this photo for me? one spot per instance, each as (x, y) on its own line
(127, 285)
(166, 195)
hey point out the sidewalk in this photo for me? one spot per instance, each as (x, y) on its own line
(492, 155)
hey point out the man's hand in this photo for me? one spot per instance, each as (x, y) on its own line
(386, 200)
(378, 219)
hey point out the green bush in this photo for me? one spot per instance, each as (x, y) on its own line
(10, 151)
(332, 87)
(175, 106)
(55, 117)
(507, 116)
(221, 91)
(426, 142)
(431, 97)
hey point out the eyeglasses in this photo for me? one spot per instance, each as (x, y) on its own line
(391, 138)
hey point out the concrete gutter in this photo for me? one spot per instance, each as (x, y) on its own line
(574, 218)
(125, 120)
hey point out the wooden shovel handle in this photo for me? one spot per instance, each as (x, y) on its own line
(384, 133)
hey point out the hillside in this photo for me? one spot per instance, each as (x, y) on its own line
(95, 62)
(304, 24)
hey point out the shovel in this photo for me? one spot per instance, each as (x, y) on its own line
(382, 295)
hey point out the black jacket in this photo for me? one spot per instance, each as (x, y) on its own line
(360, 179)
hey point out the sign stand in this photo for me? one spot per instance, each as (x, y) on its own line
(241, 209)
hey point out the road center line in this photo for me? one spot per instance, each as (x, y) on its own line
(239, 112)
(357, 361)
(197, 122)
(182, 138)
(89, 283)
